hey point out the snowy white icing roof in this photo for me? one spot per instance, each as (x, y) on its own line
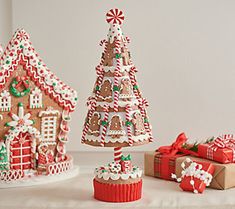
(21, 49)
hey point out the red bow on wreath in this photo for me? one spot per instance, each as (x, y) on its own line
(22, 80)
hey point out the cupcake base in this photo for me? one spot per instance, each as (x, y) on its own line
(109, 192)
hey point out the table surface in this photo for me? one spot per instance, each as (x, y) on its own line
(78, 193)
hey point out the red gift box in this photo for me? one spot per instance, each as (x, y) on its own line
(222, 149)
(196, 176)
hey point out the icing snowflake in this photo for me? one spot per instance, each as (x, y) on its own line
(20, 119)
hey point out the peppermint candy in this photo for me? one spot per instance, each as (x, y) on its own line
(22, 35)
(115, 16)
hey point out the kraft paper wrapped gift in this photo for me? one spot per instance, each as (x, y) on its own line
(223, 177)
(159, 166)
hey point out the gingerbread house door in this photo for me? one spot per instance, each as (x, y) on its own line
(21, 152)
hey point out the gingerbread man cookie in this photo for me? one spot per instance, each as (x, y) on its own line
(126, 92)
(94, 125)
(116, 127)
(106, 92)
(138, 124)
(126, 57)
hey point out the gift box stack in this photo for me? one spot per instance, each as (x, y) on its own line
(210, 164)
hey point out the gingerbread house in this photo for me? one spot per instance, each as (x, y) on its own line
(35, 108)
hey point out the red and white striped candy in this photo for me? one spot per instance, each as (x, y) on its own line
(117, 154)
(128, 118)
(91, 111)
(133, 82)
(146, 125)
(104, 130)
(116, 78)
(102, 42)
(115, 16)
(104, 52)
(117, 46)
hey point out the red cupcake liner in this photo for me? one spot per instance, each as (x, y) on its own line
(117, 192)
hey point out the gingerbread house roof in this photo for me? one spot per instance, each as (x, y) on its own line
(20, 49)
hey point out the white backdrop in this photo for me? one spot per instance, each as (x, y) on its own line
(184, 51)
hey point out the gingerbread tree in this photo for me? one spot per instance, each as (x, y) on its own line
(117, 110)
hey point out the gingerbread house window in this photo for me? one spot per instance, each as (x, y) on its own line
(49, 124)
(49, 128)
(36, 98)
(5, 101)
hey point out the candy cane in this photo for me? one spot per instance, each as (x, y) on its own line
(137, 93)
(117, 154)
(100, 74)
(106, 115)
(85, 130)
(116, 93)
(128, 40)
(102, 42)
(117, 75)
(128, 118)
(146, 124)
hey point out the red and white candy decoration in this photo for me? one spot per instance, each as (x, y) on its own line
(115, 16)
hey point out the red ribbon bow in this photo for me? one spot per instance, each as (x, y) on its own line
(22, 80)
(175, 147)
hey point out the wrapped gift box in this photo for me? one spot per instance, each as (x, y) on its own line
(222, 149)
(161, 163)
(196, 176)
(223, 177)
(159, 166)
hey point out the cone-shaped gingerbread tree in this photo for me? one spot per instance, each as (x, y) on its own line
(117, 116)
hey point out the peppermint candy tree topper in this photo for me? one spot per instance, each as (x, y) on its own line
(117, 114)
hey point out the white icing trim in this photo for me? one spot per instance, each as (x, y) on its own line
(115, 176)
(65, 96)
(122, 139)
(49, 111)
(126, 68)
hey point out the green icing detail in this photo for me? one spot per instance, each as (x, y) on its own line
(7, 62)
(17, 93)
(146, 120)
(7, 124)
(21, 46)
(135, 87)
(20, 104)
(118, 56)
(115, 88)
(123, 158)
(97, 88)
(128, 123)
(104, 123)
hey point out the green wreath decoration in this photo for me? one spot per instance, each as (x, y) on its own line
(18, 82)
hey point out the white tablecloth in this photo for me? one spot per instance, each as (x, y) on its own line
(78, 193)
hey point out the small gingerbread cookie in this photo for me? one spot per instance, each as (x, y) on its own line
(116, 127)
(126, 92)
(94, 124)
(126, 57)
(138, 124)
(106, 92)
